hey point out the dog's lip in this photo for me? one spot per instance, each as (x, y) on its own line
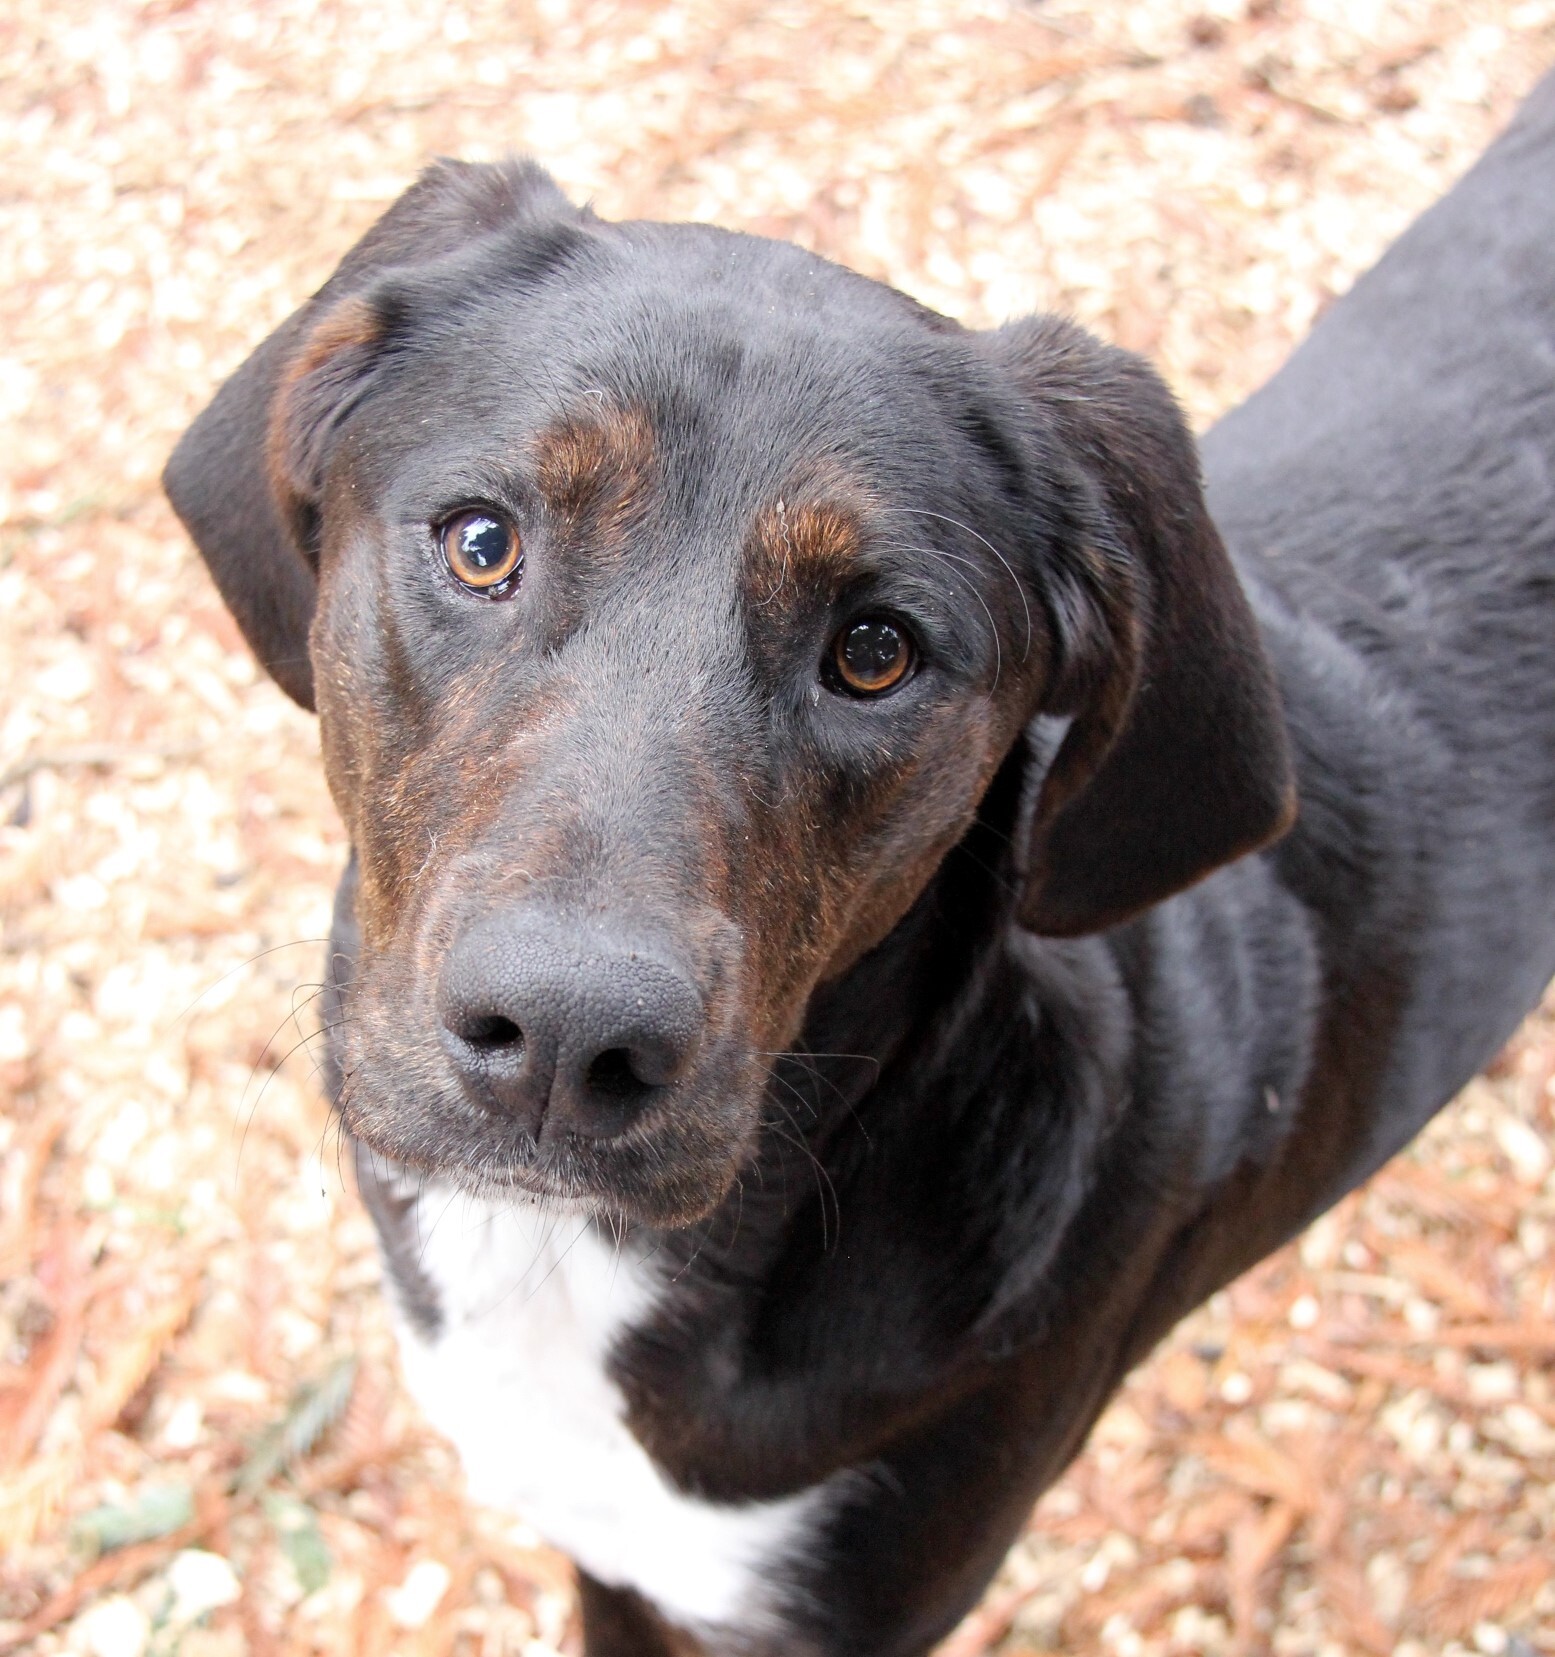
(409, 1180)
(505, 1173)
(579, 1185)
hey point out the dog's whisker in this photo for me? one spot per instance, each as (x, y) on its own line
(823, 1179)
(1009, 570)
(807, 1063)
(248, 1119)
(954, 560)
(243, 965)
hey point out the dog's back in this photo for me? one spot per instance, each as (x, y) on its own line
(1390, 500)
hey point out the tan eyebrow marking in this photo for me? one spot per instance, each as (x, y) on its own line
(597, 465)
(812, 545)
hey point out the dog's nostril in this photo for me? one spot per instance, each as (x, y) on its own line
(492, 1030)
(613, 1076)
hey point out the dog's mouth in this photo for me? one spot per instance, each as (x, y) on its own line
(653, 1174)
(640, 1182)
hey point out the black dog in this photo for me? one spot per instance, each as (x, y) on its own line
(784, 736)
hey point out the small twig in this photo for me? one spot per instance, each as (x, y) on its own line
(95, 756)
(1262, 79)
(56, 1362)
(31, 1152)
(986, 1626)
(1493, 1337)
(1503, 1337)
(121, 1569)
(1054, 25)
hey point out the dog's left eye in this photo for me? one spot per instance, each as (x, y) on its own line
(483, 552)
(869, 657)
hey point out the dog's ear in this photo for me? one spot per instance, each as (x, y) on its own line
(246, 475)
(1176, 757)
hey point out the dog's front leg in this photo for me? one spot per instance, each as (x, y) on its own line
(619, 1623)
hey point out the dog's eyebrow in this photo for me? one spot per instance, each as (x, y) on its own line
(596, 459)
(812, 546)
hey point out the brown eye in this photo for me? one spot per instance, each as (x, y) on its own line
(482, 551)
(871, 656)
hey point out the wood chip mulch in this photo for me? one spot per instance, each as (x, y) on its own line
(203, 1448)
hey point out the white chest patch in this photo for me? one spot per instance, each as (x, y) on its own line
(532, 1304)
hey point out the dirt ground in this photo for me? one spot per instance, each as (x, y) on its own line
(203, 1449)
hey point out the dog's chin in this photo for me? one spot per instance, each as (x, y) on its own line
(670, 1202)
(643, 1177)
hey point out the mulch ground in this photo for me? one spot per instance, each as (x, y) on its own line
(203, 1448)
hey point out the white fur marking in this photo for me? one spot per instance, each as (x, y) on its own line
(532, 1304)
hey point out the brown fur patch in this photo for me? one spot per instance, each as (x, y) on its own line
(314, 378)
(353, 322)
(596, 467)
(808, 547)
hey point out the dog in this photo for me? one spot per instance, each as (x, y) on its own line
(862, 912)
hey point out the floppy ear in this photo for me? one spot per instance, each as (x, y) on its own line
(1176, 760)
(245, 477)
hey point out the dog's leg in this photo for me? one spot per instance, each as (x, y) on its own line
(619, 1623)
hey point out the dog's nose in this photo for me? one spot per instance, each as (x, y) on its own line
(564, 1030)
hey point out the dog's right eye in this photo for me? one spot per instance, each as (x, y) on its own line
(869, 657)
(483, 552)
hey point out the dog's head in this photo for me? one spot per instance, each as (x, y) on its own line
(670, 599)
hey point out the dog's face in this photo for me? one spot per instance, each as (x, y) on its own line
(654, 620)
(674, 598)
